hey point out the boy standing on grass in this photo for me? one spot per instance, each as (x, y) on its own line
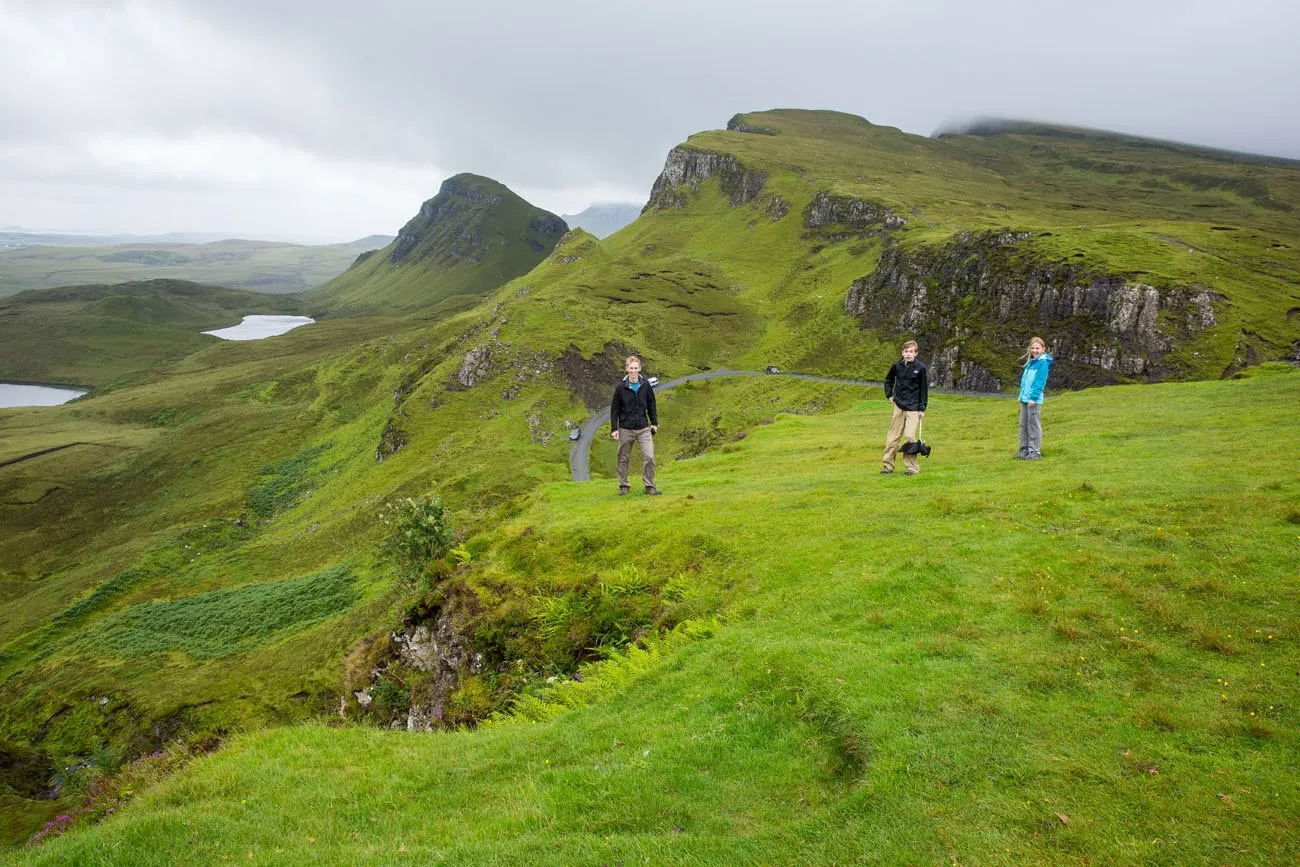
(633, 418)
(907, 386)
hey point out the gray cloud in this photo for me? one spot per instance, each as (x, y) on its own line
(572, 101)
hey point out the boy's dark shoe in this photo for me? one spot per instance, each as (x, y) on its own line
(622, 492)
(1021, 455)
(912, 473)
(886, 471)
(652, 492)
(1033, 456)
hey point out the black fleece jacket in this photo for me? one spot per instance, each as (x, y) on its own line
(908, 385)
(631, 409)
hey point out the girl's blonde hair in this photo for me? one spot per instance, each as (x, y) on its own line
(1040, 341)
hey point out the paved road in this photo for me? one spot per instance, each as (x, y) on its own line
(580, 454)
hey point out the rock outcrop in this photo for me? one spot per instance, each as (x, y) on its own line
(740, 123)
(974, 302)
(443, 651)
(826, 210)
(687, 167)
(475, 367)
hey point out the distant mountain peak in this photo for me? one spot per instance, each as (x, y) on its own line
(455, 225)
(473, 236)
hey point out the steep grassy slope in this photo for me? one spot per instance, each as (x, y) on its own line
(469, 239)
(1071, 662)
(91, 335)
(258, 266)
(244, 481)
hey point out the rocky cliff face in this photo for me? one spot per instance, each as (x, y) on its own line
(826, 211)
(974, 303)
(687, 168)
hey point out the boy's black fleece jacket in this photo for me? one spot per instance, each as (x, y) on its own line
(908, 385)
(631, 409)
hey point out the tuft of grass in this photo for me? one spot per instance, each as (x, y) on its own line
(225, 622)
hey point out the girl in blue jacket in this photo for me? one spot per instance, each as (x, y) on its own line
(1032, 382)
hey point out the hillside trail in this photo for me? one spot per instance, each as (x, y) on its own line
(580, 454)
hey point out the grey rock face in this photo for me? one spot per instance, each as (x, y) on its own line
(452, 187)
(974, 302)
(948, 370)
(776, 207)
(826, 210)
(441, 649)
(476, 366)
(687, 166)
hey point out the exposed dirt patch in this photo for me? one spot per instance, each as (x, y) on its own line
(593, 380)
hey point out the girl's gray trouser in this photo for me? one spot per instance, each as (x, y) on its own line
(1031, 428)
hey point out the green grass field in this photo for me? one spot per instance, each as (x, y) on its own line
(1086, 660)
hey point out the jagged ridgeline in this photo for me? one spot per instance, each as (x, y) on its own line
(469, 239)
(1139, 260)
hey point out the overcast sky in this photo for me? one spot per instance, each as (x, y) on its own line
(330, 120)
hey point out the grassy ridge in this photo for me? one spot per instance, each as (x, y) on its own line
(469, 239)
(1068, 662)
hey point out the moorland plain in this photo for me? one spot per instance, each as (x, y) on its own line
(257, 266)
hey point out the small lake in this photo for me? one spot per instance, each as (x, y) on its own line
(35, 395)
(258, 327)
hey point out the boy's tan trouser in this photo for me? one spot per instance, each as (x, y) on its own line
(901, 427)
(644, 439)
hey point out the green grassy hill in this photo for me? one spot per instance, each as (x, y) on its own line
(469, 239)
(1071, 662)
(203, 556)
(92, 335)
(257, 266)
